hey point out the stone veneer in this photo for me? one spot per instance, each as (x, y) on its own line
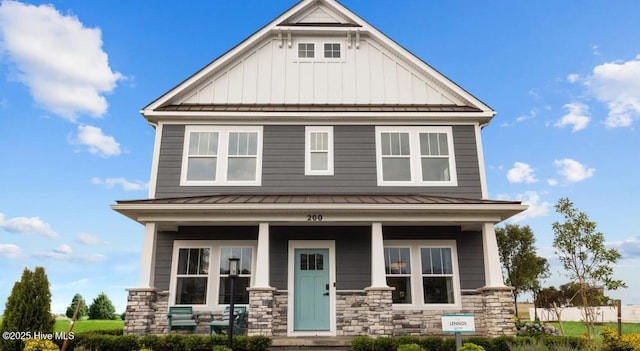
(367, 312)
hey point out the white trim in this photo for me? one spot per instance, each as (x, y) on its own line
(481, 165)
(148, 257)
(222, 156)
(416, 273)
(155, 161)
(415, 155)
(492, 267)
(307, 150)
(311, 244)
(213, 283)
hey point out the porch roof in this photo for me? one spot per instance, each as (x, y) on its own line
(343, 208)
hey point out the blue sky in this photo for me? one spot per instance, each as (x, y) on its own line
(564, 78)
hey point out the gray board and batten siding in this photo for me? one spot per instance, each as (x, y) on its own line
(283, 165)
(353, 250)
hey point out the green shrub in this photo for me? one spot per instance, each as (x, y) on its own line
(362, 343)
(502, 343)
(240, 343)
(221, 348)
(469, 346)
(151, 341)
(384, 343)
(174, 342)
(410, 347)
(431, 343)
(408, 339)
(196, 343)
(259, 343)
(480, 341)
(102, 308)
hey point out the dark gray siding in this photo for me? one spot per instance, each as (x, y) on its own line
(353, 253)
(469, 244)
(283, 165)
(164, 245)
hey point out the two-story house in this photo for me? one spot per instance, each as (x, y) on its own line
(345, 173)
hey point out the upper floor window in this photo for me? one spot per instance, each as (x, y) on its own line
(318, 151)
(423, 273)
(306, 50)
(222, 155)
(414, 156)
(332, 50)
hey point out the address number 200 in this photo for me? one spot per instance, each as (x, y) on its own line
(314, 218)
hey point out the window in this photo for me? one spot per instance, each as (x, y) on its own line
(319, 151)
(192, 276)
(200, 272)
(216, 155)
(242, 282)
(306, 50)
(434, 283)
(415, 156)
(332, 50)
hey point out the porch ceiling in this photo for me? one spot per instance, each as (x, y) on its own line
(317, 209)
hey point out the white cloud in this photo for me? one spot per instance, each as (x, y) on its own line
(64, 253)
(573, 171)
(521, 173)
(552, 182)
(629, 248)
(97, 142)
(537, 207)
(88, 239)
(58, 58)
(618, 85)
(63, 249)
(573, 77)
(109, 183)
(577, 117)
(10, 251)
(27, 225)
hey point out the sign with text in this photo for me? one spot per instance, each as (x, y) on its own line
(458, 323)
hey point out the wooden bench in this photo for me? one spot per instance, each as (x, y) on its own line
(182, 317)
(219, 326)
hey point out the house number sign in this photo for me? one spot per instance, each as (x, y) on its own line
(314, 218)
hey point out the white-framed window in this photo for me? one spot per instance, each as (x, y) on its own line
(424, 273)
(200, 272)
(332, 50)
(318, 158)
(222, 155)
(306, 50)
(415, 156)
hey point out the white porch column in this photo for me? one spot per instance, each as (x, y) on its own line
(378, 277)
(492, 268)
(148, 257)
(262, 257)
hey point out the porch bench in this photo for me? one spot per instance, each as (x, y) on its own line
(219, 326)
(182, 317)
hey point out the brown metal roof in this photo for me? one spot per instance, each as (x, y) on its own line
(315, 108)
(317, 199)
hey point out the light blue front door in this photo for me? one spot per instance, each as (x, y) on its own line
(311, 290)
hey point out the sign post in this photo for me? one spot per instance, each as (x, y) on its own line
(458, 324)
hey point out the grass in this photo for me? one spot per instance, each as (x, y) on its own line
(62, 325)
(578, 328)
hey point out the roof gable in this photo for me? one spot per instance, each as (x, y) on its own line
(265, 68)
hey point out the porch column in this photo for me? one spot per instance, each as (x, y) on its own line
(378, 276)
(148, 257)
(492, 268)
(262, 257)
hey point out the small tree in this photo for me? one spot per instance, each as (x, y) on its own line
(580, 249)
(28, 308)
(82, 312)
(102, 308)
(523, 267)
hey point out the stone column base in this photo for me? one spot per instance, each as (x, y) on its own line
(498, 310)
(380, 311)
(140, 312)
(260, 318)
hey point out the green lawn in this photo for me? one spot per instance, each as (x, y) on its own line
(578, 329)
(62, 325)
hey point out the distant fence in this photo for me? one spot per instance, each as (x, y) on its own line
(630, 314)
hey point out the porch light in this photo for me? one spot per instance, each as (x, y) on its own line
(234, 267)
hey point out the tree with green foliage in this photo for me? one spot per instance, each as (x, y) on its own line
(28, 308)
(581, 250)
(522, 266)
(82, 312)
(102, 308)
